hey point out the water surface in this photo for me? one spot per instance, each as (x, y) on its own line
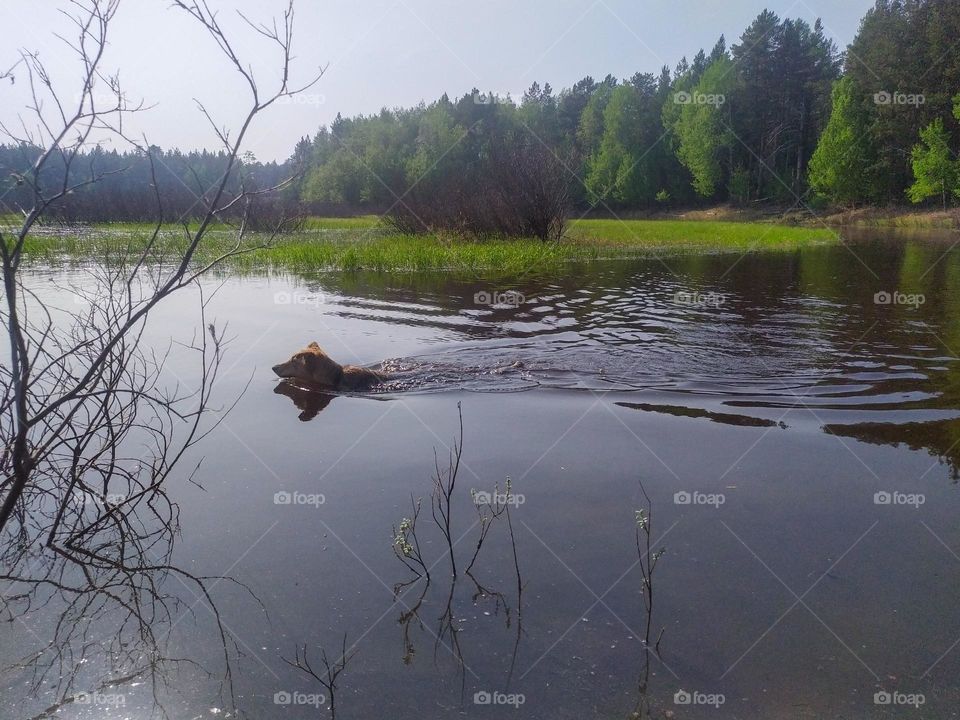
(773, 391)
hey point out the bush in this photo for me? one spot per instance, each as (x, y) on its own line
(518, 188)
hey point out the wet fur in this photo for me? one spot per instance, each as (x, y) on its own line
(314, 367)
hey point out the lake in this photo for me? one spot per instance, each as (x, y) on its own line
(789, 422)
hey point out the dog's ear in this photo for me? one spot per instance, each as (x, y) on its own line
(314, 345)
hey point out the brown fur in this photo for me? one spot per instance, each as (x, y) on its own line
(314, 367)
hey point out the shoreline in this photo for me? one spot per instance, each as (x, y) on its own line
(365, 244)
(890, 217)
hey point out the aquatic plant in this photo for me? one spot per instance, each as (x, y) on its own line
(362, 244)
(328, 676)
(406, 546)
(444, 484)
(647, 558)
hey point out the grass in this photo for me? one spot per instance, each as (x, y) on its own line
(898, 218)
(363, 243)
(697, 235)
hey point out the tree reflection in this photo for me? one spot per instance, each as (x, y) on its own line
(94, 584)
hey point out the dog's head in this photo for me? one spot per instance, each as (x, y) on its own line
(311, 365)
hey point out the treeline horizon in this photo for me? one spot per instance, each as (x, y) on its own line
(781, 117)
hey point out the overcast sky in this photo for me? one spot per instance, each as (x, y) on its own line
(381, 53)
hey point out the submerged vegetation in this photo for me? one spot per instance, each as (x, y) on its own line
(367, 244)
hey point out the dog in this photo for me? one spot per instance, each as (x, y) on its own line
(315, 368)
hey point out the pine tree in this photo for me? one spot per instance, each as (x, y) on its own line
(934, 169)
(703, 130)
(839, 164)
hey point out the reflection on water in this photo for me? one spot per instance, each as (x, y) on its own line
(792, 330)
(780, 434)
(728, 418)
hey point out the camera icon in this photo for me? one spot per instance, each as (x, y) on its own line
(882, 498)
(883, 98)
(882, 298)
(282, 698)
(483, 298)
(482, 698)
(282, 298)
(83, 698)
(682, 697)
(882, 698)
(282, 498)
(482, 497)
(682, 498)
(682, 98)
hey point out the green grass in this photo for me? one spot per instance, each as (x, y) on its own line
(364, 244)
(697, 235)
(360, 222)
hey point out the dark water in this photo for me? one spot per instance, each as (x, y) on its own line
(782, 404)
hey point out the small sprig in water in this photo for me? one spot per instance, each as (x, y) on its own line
(642, 521)
(402, 540)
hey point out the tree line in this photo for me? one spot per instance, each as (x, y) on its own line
(131, 185)
(781, 117)
(739, 123)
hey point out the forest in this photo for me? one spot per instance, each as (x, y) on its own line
(781, 117)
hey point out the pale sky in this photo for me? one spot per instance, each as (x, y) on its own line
(380, 53)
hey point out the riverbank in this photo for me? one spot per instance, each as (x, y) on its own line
(365, 244)
(907, 218)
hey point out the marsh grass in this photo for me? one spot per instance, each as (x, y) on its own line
(364, 243)
(906, 219)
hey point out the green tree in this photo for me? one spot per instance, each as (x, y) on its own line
(839, 165)
(613, 172)
(934, 169)
(786, 70)
(905, 49)
(703, 130)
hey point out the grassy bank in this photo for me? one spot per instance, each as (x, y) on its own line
(363, 243)
(902, 218)
(907, 219)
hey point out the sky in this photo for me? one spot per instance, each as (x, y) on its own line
(374, 54)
